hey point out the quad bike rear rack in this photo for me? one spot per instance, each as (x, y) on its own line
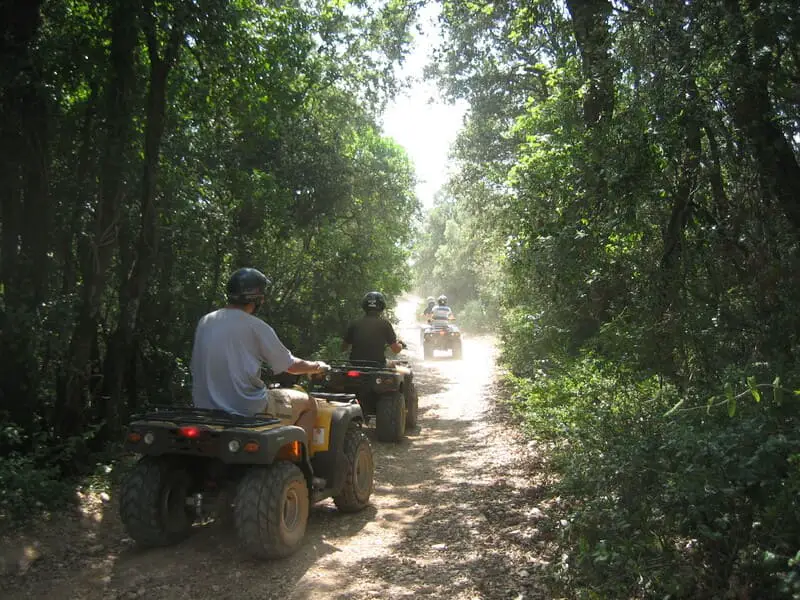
(202, 416)
(366, 366)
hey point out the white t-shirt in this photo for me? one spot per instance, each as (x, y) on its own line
(230, 346)
(441, 313)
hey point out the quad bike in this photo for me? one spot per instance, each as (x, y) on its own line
(385, 391)
(441, 336)
(197, 463)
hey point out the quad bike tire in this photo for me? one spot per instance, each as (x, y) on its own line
(271, 510)
(457, 351)
(412, 405)
(153, 503)
(359, 479)
(390, 417)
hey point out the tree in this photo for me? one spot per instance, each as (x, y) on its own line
(639, 162)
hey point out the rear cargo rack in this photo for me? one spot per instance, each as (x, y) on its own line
(337, 397)
(365, 366)
(203, 416)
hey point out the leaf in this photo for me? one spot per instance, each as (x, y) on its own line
(751, 382)
(710, 404)
(731, 399)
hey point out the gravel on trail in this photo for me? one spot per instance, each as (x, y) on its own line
(460, 511)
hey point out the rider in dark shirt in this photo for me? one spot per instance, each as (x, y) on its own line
(368, 337)
(427, 314)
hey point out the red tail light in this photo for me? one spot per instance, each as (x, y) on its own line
(353, 373)
(190, 432)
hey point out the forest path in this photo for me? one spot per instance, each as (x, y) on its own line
(454, 515)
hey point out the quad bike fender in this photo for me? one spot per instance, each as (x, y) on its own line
(284, 443)
(321, 440)
(332, 463)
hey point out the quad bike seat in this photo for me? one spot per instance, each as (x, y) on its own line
(286, 403)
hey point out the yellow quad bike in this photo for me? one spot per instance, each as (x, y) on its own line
(195, 461)
(386, 391)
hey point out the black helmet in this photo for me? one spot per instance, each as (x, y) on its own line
(247, 285)
(442, 300)
(373, 301)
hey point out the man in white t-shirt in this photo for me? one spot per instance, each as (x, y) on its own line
(230, 345)
(441, 312)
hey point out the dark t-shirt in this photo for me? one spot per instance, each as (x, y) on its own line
(369, 337)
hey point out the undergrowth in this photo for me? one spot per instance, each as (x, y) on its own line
(670, 496)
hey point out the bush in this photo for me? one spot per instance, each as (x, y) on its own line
(39, 473)
(331, 349)
(27, 489)
(475, 318)
(697, 503)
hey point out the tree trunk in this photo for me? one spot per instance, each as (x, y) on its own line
(80, 198)
(754, 115)
(35, 244)
(119, 123)
(23, 128)
(121, 349)
(19, 28)
(590, 27)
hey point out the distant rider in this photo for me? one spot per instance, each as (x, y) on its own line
(441, 312)
(368, 337)
(427, 314)
(230, 345)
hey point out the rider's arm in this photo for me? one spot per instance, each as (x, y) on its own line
(347, 341)
(391, 339)
(301, 367)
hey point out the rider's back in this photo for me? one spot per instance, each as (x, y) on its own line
(441, 313)
(369, 337)
(229, 348)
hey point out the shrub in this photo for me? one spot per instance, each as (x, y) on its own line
(697, 502)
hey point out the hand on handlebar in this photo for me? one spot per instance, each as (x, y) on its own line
(322, 367)
(403, 345)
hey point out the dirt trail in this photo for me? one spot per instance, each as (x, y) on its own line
(456, 514)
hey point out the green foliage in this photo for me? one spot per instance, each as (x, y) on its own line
(623, 160)
(32, 481)
(456, 258)
(651, 497)
(29, 488)
(161, 146)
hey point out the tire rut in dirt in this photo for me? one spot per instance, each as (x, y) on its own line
(263, 494)
(153, 503)
(358, 483)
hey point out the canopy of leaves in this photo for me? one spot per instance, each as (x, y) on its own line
(159, 145)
